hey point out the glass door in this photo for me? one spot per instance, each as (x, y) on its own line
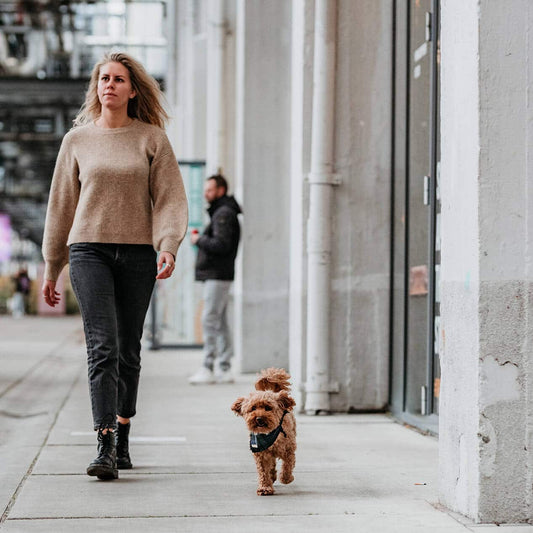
(434, 334)
(415, 365)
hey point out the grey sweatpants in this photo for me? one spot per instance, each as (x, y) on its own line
(217, 340)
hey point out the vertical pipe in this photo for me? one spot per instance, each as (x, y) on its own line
(321, 181)
(297, 250)
(215, 86)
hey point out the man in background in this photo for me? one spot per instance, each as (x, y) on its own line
(215, 267)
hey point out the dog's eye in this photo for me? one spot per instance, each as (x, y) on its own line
(268, 408)
(253, 408)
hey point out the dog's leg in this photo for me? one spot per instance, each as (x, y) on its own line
(265, 463)
(287, 466)
(273, 472)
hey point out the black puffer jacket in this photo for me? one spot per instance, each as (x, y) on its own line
(217, 247)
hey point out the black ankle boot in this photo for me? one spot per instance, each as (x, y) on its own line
(105, 464)
(123, 452)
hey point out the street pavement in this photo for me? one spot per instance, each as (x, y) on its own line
(193, 471)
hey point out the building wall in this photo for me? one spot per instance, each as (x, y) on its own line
(269, 123)
(361, 223)
(268, 116)
(359, 354)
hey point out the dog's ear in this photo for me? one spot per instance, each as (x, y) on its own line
(237, 406)
(285, 401)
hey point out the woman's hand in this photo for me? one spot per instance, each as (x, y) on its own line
(51, 296)
(167, 259)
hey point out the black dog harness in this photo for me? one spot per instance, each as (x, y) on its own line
(259, 442)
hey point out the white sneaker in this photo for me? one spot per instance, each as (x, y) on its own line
(224, 376)
(203, 376)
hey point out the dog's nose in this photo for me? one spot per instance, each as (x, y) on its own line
(260, 421)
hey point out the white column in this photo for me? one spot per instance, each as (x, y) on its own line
(238, 285)
(263, 182)
(185, 81)
(486, 447)
(171, 90)
(215, 127)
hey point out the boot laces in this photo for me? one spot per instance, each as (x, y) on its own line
(105, 441)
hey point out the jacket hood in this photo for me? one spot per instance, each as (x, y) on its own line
(226, 201)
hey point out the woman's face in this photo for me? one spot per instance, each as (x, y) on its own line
(114, 86)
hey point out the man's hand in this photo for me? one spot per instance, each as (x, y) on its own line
(194, 236)
(166, 259)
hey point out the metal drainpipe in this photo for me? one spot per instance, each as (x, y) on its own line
(215, 86)
(321, 182)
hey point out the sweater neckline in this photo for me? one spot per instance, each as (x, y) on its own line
(107, 131)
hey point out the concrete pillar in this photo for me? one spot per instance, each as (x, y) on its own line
(187, 73)
(215, 127)
(486, 448)
(262, 182)
(171, 87)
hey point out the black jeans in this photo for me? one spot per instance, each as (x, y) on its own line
(113, 284)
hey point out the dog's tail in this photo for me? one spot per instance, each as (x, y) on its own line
(274, 379)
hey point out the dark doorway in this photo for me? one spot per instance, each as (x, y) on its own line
(415, 366)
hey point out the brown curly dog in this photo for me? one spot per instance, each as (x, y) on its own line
(268, 415)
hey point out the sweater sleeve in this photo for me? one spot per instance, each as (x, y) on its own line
(170, 212)
(62, 203)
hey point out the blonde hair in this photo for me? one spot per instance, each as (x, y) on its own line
(145, 106)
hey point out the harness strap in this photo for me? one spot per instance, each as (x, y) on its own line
(281, 422)
(261, 442)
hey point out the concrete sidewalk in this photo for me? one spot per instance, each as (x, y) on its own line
(192, 467)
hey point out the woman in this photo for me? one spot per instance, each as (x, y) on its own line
(116, 194)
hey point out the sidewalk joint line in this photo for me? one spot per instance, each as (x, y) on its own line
(34, 367)
(28, 473)
(148, 517)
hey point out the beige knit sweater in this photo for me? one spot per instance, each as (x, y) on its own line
(120, 185)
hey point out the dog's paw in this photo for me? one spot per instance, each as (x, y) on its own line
(286, 479)
(265, 491)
